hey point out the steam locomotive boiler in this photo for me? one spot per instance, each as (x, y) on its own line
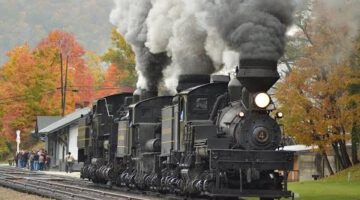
(214, 138)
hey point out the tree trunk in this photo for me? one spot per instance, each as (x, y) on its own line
(355, 138)
(337, 155)
(327, 163)
(345, 154)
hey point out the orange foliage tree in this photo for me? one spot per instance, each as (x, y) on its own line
(79, 78)
(30, 82)
(26, 79)
(112, 84)
(320, 109)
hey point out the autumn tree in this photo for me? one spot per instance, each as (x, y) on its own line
(77, 77)
(96, 67)
(122, 56)
(355, 90)
(315, 96)
(111, 81)
(31, 85)
(25, 81)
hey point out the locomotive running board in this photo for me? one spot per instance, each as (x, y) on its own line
(258, 159)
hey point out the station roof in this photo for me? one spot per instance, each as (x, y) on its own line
(64, 121)
(44, 121)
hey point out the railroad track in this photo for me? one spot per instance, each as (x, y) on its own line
(57, 187)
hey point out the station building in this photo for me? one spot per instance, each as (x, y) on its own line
(60, 137)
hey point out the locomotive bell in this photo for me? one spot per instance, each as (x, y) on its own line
(257, 75)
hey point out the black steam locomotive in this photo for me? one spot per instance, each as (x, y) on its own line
(215, 138)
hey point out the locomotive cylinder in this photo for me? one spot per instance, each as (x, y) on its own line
(153, 145)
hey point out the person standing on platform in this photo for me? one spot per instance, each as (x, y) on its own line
(69, 159)
(36, 161)
(41, 161)
(31, 160)
(48, 162)
(22, 162)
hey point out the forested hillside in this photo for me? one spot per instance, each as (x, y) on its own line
(27, 21)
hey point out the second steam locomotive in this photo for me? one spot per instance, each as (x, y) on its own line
(217, 137)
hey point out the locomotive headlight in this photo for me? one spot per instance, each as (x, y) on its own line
(241, 114)
(279, 115)
(262, 100)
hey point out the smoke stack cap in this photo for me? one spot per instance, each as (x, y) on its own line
(258, 75)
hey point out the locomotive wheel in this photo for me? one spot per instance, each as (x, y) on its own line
(266, 199)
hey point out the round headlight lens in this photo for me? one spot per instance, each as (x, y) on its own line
(241, 114)
(262, 100)
(279, 115)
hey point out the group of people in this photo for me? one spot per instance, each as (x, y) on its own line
(33, 160)
(40, 160)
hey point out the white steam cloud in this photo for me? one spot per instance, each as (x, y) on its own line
(200, 36)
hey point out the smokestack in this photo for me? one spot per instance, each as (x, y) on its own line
(146, 94)
(191, 80)
(235, 89)
(258, 75)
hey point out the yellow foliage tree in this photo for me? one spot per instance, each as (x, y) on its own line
(320, 108)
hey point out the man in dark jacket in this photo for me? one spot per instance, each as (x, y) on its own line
(36, 161)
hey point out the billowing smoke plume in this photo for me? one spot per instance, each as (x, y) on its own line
(174, 28)
(200, 36)
(130, 18)
(254, 28)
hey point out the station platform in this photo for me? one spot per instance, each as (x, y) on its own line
(49, 172)
(61, 173)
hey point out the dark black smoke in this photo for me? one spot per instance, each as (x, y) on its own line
(151, 65)
(254, 28)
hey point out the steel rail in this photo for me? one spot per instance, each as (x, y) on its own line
(45, 188)
(40, 190)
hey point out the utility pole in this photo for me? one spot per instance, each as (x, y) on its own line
(65, 84)
(62, 86)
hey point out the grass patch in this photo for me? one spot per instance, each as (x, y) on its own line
(344, 185)
(329, 190)
(337, 187)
